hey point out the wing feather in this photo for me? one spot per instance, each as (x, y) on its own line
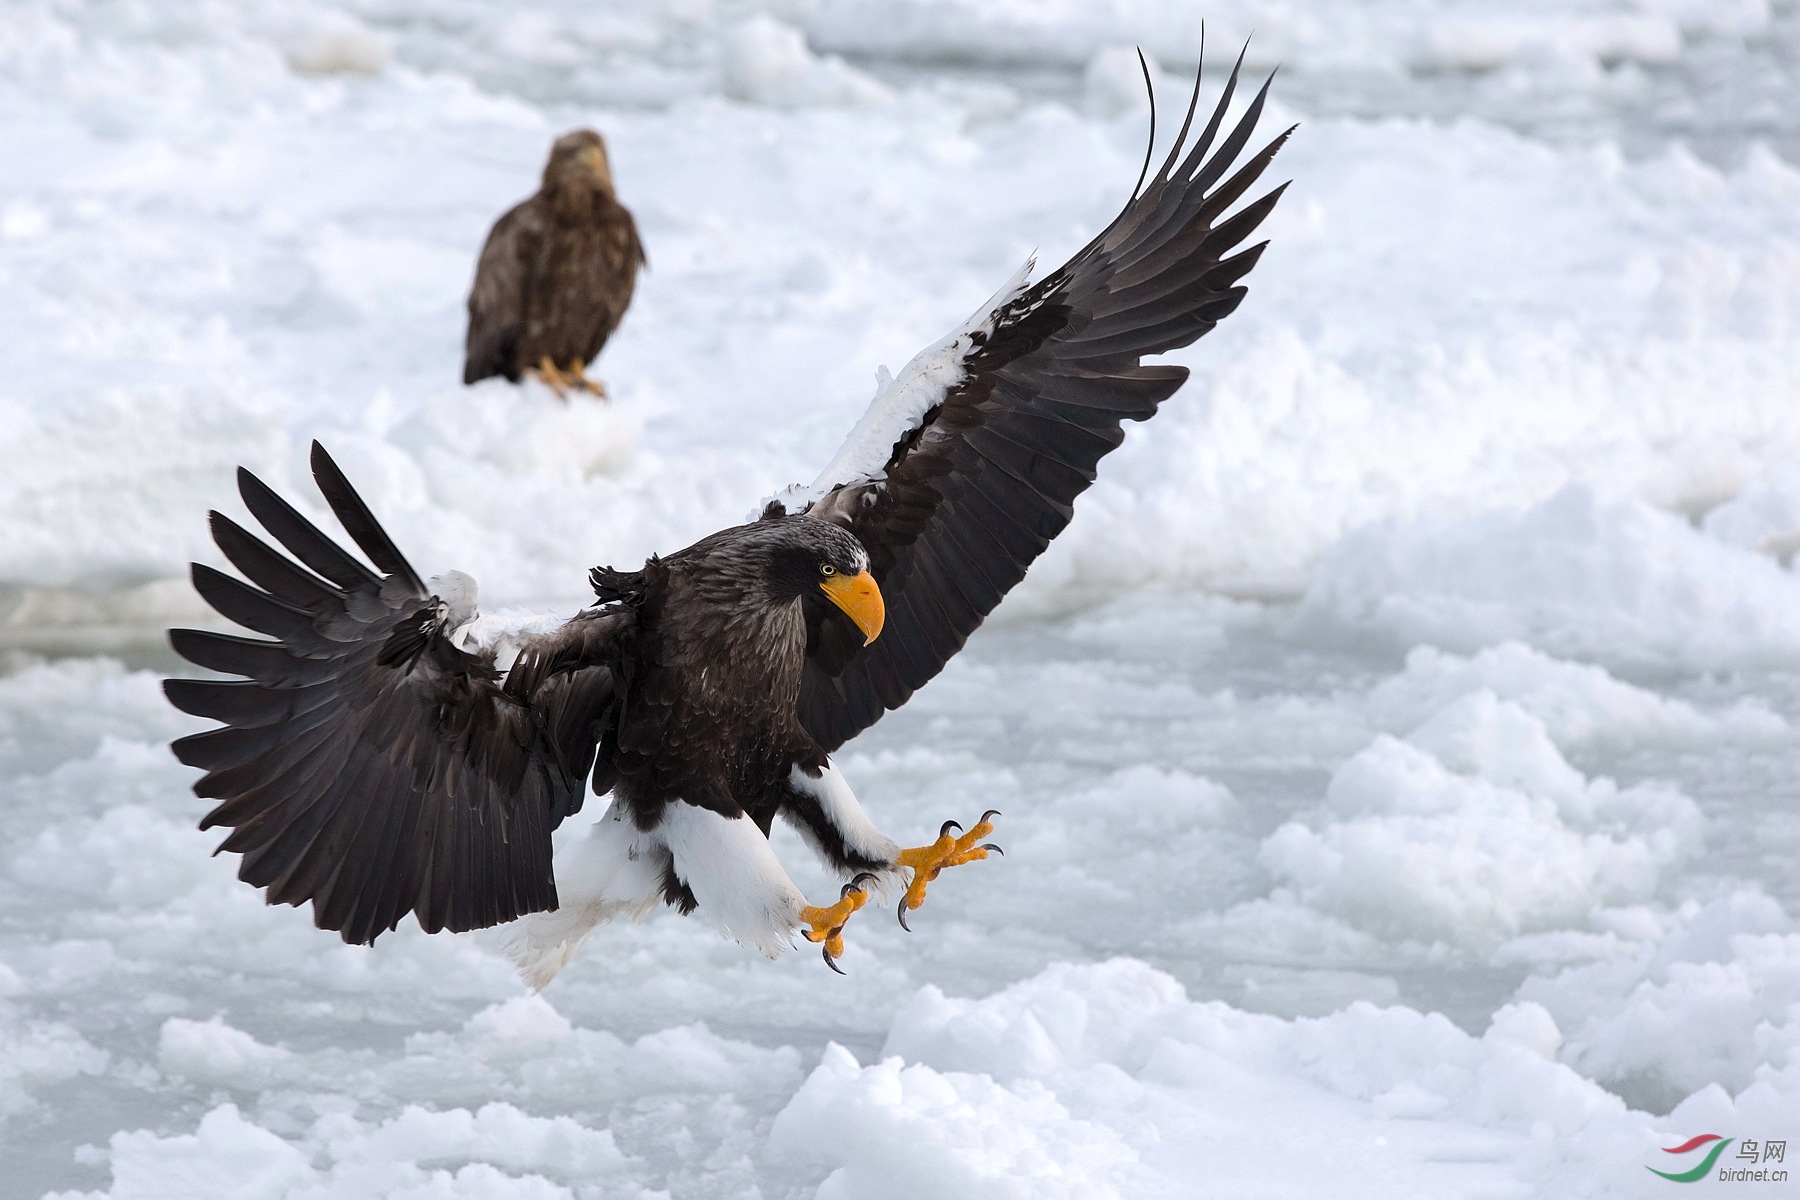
(986, 471)
(366, 763)
(301, 537)
(498, 297)
(359, 522)
(238, 601)
(241, 702)
(230, 745)
(267, 662)
(267, 569)
(968, 566)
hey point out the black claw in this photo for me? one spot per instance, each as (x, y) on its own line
(947, 826)
(902, 915)
(860, 876)
(989, 846)
(830, 961)
(992, 812)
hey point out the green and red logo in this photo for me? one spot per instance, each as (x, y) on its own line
(1719, 1142)
(1746, 1166)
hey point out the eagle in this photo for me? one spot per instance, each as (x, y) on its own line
(555, 275)
(385, 749)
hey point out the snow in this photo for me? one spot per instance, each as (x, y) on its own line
(768, 62)
(1713, 1003)
(1396, 754)
(1617, 581)
(1476, 824)
(1109, 1072)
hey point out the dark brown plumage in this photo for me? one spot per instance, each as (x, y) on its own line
(373, 764)
(555, 275)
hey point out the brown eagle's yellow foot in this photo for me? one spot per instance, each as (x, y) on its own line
(947, 851)
(827, 924)
(552, 377)
(577, 377)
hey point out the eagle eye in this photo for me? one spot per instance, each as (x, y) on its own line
(827, 569)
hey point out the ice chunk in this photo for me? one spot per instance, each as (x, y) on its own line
(1711, 1000)
(231, 1158)
(1578, 575)
(37, 1055)
(767, 62)
(1765, 516)
(329, 43)
(892, 1131)
(213, 1052)
(1110, 1070)
(1580, 704)
(226, 1158)
(1474, 829)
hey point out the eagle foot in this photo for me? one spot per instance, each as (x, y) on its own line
(947, 851)
(577, 375)
(827, 924)
(547, 373)
(562, 382)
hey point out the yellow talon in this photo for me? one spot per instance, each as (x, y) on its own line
(563, 382)
(827, 924)
(577, 375)
(552, 378)
(947, 851)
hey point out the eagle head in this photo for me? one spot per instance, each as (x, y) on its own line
(578, 161)
(772, 563)
(818, 554)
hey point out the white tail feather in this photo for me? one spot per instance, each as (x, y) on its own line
(616, 871)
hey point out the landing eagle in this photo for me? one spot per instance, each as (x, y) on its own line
(377, 759)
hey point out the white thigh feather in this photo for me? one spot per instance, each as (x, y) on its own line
(733, 873)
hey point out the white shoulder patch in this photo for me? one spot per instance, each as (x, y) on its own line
(900, 404)
(456, 591)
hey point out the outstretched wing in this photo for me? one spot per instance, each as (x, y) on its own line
(366, 762)
(969, 461)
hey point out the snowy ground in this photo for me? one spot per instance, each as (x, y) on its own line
(1398, 755)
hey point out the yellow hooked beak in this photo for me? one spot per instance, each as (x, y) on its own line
(860, 599)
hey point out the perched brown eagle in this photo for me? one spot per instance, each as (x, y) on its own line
(555, 275)
(389, 751)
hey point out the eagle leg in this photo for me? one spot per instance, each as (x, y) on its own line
(827, 924)
(947, 851)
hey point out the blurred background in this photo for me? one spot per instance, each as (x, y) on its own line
(1397, 751)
